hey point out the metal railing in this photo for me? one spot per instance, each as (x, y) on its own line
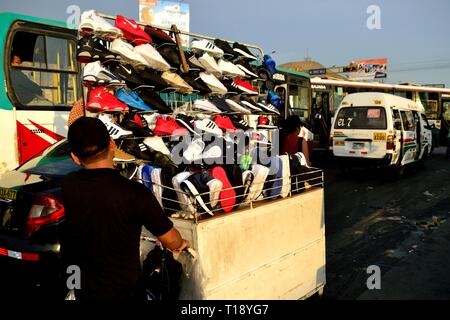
(202, 209)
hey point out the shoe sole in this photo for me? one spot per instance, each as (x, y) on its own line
(247, 72)
(185, 125)
(244, 89)
(157, 186)
(245, 54)
(251, 106)
(286, 187)
(236, 107)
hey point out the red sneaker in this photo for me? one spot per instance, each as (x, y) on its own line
(101, 100)
(168, 126)
(244, 86)
(224, 123)
(132, 31)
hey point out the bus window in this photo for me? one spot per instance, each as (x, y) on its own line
(408, 121)
(446, 111)
(43, 71)
(298, 102)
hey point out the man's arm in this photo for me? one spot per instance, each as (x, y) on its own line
(172, 240)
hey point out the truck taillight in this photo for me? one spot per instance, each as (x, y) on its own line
(45, 209)
(390, 145)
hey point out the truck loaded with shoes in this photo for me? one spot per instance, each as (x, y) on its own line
(197, 126)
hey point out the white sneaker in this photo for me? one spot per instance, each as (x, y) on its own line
(210, 64)
(157, 185)
(213, 83)
(156, 143)
(92, 23)
(126, 51)
(200, 46)
(215, 187)
(114, 130)
(95, 72)
(237, 107)
(206, 105)
(185, 201)
(207, 125)
(151, 120)
(194, 150)
(230, 69)
(260, 173)
(152, 56)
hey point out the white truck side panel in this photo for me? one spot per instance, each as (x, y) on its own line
(274, 251)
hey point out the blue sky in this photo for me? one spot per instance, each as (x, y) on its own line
(414, 34)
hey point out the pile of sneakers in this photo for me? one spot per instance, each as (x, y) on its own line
(128, 69)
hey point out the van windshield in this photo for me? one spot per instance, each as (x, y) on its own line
(361, 118)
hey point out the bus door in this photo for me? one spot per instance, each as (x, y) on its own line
(43, 84)
(409, 143)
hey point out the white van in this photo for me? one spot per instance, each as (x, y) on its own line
(381, 127)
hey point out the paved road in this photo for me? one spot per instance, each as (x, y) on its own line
(398, 224)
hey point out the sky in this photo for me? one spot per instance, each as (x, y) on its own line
(413, 34)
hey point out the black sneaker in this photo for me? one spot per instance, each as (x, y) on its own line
(186, 122)
(243, 51)
(194, 80)
(126, 72)
(91, 49)
(239, 123)
(137, 124)
(137, 148)
(221, 104)
(153, 78)
(229, 53)
(158, 36)
(153, 99)
(196, 185)
(228, 84)
(170, 53)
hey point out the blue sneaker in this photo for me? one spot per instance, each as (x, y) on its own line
(145, 176)
(132, 100)
(274, 99)
(269, 64)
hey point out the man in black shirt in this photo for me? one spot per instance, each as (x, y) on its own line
(104, 216)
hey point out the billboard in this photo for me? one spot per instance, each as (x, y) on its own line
(369, 69)
(165, 14)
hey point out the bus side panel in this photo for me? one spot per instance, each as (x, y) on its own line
(8, 141)
(37, 130)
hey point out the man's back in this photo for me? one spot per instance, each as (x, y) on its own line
(104, 216)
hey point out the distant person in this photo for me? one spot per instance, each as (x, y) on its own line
(26, 90)
(295, 138)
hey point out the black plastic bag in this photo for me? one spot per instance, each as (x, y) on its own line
(161, 274)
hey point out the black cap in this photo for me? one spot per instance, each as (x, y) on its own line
(87, 137)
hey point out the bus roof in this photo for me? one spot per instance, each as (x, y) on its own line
(303, 74)
(7, 18)
(379, 99)
(376, 85)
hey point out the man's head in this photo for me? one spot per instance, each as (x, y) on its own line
(90, 143)
(16, 61)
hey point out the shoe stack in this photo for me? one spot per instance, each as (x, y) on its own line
(128, 69)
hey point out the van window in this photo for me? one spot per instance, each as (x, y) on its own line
(44, 71)
(361, 118)
(425, 121)
(408, 121)
(397, 120)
